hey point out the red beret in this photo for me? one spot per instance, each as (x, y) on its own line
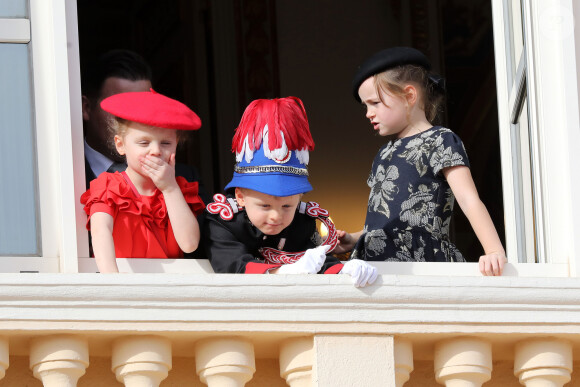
(152, 108)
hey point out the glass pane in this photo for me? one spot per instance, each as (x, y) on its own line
(13, 8)
(18, 208)
(516, 40)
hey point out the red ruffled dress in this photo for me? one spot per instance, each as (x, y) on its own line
(141, 227)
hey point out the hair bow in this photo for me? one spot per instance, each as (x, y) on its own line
(438, 81)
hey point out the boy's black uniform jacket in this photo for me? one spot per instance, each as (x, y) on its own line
(232, 245)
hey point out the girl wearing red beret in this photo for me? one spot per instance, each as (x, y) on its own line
(145, 211)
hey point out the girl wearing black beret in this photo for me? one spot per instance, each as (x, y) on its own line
(418, 173)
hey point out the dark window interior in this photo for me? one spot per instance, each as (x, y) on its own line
(309, 49)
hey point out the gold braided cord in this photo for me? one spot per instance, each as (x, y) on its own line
(272, 168)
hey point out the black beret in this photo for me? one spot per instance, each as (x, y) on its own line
(384, 60)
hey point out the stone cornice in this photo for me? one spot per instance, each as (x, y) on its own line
(301, 300)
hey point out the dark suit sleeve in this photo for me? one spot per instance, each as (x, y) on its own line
(89, 174)
(226, 253)
(191, 174)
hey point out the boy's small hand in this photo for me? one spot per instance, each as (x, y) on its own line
(310, 263)
(492, 263)
(162, 173)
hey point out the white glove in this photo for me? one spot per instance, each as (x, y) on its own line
(310, 263)
(361, 273)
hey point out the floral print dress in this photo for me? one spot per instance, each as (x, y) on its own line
(410, 202)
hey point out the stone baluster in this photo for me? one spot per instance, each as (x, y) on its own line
(4, 356)
(296, 359)
(141, 361)
(225, 361)
(403, 360)
(543, 362)
(353, 360)
(463, 362)
(60, 360)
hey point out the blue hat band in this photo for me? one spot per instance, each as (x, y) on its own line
(270, 176)
(275, 184)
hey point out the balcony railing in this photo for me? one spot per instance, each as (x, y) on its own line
(267, 330)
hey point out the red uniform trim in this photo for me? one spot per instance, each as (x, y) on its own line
(259, 268)
(334, 269)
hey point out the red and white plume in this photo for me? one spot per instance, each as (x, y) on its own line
(280, 124)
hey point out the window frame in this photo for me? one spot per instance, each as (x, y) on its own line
(50, 31)
(18, 31)
(58, 116)
(15, 30)
(552, 115)
(59, 73)
(514, 132)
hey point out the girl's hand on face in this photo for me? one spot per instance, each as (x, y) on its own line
(492, 263)
(161, 173)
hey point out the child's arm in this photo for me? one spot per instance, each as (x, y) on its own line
(102, 240)
(346, 241)
(463, 187)
(183, 221)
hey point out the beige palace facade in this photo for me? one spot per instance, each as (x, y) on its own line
(175, 323)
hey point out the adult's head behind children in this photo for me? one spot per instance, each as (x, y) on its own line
(116, 71)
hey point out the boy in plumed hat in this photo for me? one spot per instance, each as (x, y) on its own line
(261, 225)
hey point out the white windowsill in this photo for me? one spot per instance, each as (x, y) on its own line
(133, 265)
(201, 266)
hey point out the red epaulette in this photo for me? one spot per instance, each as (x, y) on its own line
(224, 206)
